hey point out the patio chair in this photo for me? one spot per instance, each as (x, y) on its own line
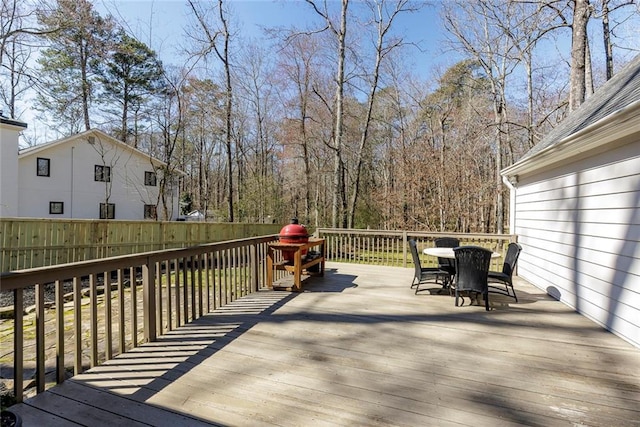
(472, 268)
(447, 264)
(508, 267)
(423, 274)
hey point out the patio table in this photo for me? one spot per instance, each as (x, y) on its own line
(448, 253)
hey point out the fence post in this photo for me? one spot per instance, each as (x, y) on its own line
(149, 301)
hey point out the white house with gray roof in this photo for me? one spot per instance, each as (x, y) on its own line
(575, 206)
(89, 175)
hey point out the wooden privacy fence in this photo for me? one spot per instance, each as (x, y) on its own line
(382, 247)
(151, 293)
(29, 243)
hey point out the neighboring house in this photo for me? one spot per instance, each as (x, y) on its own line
(89, 175)
(575, 206)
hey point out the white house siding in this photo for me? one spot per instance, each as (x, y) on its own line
(71, 181)
(9, 131)
(579, 225)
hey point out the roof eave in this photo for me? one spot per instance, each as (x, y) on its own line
(12, 123)
(617, 128)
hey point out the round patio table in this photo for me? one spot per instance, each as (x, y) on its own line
(448, 253)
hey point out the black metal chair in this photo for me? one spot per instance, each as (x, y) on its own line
(508, 267)
(447, 264)
(472, 269)
(423, 274)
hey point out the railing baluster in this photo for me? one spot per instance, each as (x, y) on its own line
(18, 344)
(40, 337)
(219, 272)
(108, 321)
(134, 307)
(77, 324)
(234, 273)
(225, 276)
(185, 292)
(199, 285)
(192, 286)
(178, 282)
(60, 369)
(169, 293)
(121, 317)
(158, 288)
(93, 318)
(207, 278)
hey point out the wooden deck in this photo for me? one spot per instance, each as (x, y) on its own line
(357, 347)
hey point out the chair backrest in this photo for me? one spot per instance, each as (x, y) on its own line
(472, 268)
(446, 242)
(510, 261)
(416, 258)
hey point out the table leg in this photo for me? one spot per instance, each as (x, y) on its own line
(297, 269)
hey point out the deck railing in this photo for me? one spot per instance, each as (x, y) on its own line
(390, 248)
(105, 307)
(108, 306)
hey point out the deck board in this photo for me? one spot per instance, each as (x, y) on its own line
(358, 347)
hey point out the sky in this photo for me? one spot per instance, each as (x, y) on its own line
(160, 23)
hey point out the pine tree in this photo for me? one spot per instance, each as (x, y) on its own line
(78, 42)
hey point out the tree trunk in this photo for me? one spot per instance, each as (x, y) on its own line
(577, 84)
(85, 86)
(338, 215)
(228, 108)
(606, 34)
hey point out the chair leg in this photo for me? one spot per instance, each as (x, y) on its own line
(514, 292)
(486, 301)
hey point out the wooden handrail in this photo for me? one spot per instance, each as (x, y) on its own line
(389, 247)
(195, 280)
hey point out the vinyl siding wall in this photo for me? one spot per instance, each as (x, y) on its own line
(579, 226)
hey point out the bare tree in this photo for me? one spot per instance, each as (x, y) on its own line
(383, 15)
(19, 35)
(339, 31)
(216, 40)
(298, 64)
(494, 52)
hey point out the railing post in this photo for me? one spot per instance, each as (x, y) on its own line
(149, 301)
(405, 242)
(18, 345)
(254, 263)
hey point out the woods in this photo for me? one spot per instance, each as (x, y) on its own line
(327, 120)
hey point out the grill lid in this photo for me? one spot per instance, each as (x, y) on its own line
(294, 230)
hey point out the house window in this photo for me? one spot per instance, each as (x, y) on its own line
(150, 179)
(150, 212)
(43, 166)
(102, 173)
(56, 208)
(107, 211)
